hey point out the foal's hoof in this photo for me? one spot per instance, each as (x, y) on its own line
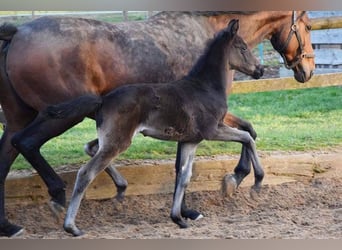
(72, 229)
(229, 185)
(8, 229)
(120, 196)
(179, 222)
(255, 192)
(256, 188)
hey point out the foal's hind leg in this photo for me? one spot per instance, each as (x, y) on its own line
(120, 182)
(187, 153)
(232, 181)
(85, 176)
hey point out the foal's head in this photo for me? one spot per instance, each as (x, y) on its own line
(239, 56)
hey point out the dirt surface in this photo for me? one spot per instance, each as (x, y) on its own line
(304, 209)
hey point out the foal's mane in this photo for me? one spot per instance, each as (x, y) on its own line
(214, 42)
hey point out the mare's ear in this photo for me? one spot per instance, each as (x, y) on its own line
(233, 26)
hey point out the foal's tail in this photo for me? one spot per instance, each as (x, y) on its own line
(7, 31)
(79, 107)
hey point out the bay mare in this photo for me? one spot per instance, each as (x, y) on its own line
(55, 59)
(188, 111)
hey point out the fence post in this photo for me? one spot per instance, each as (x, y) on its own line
(125, 15)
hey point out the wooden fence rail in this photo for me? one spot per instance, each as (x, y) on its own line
(326, 23)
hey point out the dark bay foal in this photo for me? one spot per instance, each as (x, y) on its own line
(188, 111)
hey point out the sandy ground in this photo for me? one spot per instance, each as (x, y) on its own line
(296, 210)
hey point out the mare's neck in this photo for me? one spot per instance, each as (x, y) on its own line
(254, 26)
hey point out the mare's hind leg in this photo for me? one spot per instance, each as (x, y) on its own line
(7, 155)
(120, 182)
(243, 168)
(187, 153)
(29, 141)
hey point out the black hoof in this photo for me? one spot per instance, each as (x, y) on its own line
(191, 214)
(10, 230)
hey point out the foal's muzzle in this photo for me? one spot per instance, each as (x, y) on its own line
(258, 72)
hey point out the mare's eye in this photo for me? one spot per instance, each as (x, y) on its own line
(308, 27)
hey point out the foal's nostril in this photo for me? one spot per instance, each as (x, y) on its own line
(259, 71)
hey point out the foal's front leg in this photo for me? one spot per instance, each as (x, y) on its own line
(185, 211)
(226, 133)
(243, 168)
(186, 154)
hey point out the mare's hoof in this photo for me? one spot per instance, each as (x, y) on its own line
(72, 229)
(8, 229)
(229, 185)
(57, 210)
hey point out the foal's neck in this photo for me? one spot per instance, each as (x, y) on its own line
(210, 70)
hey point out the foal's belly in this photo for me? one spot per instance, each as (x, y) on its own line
(169, 133)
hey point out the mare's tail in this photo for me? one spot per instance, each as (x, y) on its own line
(7, 31)
(79, 107)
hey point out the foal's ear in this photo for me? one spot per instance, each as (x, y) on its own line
(233, 26)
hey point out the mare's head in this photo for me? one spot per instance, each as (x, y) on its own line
(292, 41)
(239, 55)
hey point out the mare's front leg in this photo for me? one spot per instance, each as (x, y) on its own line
(226, 133)
(243, 168)
(29, 141)
(183, 174)
(120, 182)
